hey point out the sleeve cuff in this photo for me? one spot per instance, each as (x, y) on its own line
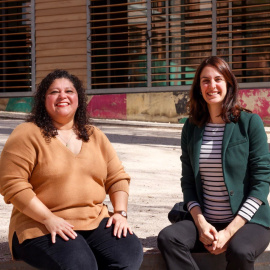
(192, 204)
(22, 199)
(122, 185)
(249, 208)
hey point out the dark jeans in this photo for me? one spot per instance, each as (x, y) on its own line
(91, 250)
(178, 240)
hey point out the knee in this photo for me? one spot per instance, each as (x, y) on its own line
(137, 255)
(164, 238)
(161, 239)
(131, 258)
(240, 254)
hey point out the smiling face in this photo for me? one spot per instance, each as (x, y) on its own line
(61, 102)
(213, 86)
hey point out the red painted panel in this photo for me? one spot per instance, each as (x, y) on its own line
(259, 100)
(108, 106)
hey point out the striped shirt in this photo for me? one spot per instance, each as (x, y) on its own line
(217, 207)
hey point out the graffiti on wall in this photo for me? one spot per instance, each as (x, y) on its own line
(258, 101)
(157, 107)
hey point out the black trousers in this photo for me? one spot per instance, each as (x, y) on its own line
(91, 250)
(177, 241)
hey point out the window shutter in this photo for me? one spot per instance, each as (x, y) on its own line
(117, 44)
(243, 38)
(15, 46)
(156, 45)
(181, 38)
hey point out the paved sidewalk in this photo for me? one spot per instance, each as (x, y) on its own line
(150, 153)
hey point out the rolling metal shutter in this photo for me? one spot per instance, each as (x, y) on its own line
(16, 48)
(152, 46)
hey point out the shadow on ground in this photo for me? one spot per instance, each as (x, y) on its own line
(131, 139)
(4, 251)
(149, 242)
(6, 131)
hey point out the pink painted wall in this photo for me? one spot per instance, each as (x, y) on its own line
(115, 106)
(108, 106)
(258, 101)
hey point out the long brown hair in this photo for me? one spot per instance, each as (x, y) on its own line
(197, 106)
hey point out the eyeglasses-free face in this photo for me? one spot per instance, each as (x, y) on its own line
(213, 86)
(61, 102)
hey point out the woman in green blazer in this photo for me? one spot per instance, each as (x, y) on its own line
(225, 176)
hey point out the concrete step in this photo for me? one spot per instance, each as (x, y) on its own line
(154, 261)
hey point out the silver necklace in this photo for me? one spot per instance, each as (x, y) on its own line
(65, 142)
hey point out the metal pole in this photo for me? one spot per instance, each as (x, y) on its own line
(214, 27)
(33, 47)
(230, 34)
(88, 46)
(183, 39)
(148, 43)
(3, 32)
(167, 47)
(108, 37)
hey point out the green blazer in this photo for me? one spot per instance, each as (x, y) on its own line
(245, 163)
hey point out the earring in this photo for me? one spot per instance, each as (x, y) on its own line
(201, 93)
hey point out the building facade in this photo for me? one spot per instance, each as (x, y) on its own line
(136, 58)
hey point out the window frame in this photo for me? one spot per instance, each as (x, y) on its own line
(33, 62)
(149, 88)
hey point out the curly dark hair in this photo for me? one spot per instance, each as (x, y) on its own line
(40, 116)
(197, 106)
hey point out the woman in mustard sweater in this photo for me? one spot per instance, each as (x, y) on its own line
(56, 170)
(225, 176)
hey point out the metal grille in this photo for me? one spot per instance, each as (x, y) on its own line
(243, 38)
(118, 44)
(16, 47)
(151, 46)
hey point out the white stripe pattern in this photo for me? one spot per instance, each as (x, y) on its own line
(216, 198)
(249, 208)
(217, 207)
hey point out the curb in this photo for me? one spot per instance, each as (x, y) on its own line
(112, 122)
(154, 261)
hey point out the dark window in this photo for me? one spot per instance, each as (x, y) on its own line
(15, 47)
(142, 46)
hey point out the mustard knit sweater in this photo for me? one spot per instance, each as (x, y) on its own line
(71, 186)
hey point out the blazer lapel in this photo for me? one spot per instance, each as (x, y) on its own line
(226, 138)
(197, 142)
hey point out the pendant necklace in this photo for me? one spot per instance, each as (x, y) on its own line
(65, 142)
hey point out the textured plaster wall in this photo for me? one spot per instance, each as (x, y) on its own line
(3, 103)
(258, 101)
(167, 107)
(156, 107)
(108, 106)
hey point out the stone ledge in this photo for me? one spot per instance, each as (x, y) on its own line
(154, 261)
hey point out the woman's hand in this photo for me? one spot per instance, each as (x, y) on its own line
(224, 236)
(223, 239)
(221, 244)
(208, 234)
(120, 225)
(215, 251)
(56, 225)
(119, 201)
